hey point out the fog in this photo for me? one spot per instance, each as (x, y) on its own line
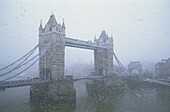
(140, 28)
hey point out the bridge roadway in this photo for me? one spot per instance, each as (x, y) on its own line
(33, 81)
(18, 83)
(158, 82)
(82, 44)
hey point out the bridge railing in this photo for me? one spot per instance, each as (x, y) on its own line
(158, 82)
(100, 78)
(17, 83)
(28, 82)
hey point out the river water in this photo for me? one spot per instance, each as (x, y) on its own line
(132, 100)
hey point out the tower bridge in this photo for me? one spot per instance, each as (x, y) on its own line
(52, 43)
(52, 64)
(52, 82)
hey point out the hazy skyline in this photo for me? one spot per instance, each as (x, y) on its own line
(140, 28)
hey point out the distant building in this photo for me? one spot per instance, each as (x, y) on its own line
(135, 67)
(162, 69)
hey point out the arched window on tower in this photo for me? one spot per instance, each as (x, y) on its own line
(50, 29)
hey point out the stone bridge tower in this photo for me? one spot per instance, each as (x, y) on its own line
(135, 65)
(103, 58)
(51, 66)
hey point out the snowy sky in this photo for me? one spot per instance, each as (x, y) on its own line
(140, 28)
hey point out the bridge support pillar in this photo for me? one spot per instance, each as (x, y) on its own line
(55, 91)
(109, 85)
(100, 62)
(103, 58)
(51, 65)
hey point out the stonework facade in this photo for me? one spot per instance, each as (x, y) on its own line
(51, 65)
(162, 69)
(60, 90)
(135, 65)
(103, 58)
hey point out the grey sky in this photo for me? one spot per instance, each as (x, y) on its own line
(140, 28)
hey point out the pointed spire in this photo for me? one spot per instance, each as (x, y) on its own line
(52, 20)
(52, 14)
(103, 35)
(40, 27)
(94, 37)
(63, 25)
(59, 25)
(111, 36)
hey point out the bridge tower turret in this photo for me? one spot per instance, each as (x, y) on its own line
(103, 58)
(51, 66)
(40, 28)
(63, 27)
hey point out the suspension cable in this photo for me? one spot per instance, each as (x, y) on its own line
(19, 58)
(41, 55)
(21, 64)
(120, 64)
(26, 57)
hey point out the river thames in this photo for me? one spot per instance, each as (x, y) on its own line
(131, 100)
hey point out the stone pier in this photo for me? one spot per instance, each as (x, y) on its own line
(55, 91)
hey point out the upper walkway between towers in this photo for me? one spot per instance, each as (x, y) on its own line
(82, 44)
